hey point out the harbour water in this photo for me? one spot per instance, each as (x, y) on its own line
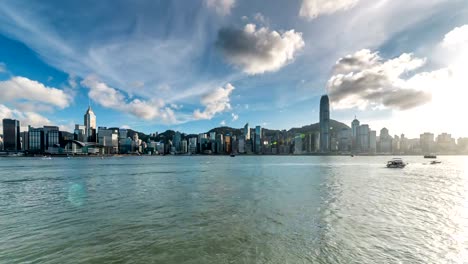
(256, 209)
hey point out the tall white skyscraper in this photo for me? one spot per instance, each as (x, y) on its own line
(89, 122)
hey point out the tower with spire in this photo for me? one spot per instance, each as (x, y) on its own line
(324, 124)
(90, 124)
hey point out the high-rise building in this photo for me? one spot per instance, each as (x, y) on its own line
(24, 140)
(36, 139)
(247, 132)
(219, 144)
(298, 144)
(427, 143)
(192, 146)
(79, 133)
(344, 140)
(90, 124)
(363, 132)
(324, 124)
(11, 135)
(51, 137)
(228, 144)
(177, 141)
(109, 140)
(385, 144)
(258, 139)
(354, 126)
(373, 142)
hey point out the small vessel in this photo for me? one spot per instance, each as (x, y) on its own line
(435, 162)
(46, 158)
(430, 156)
(396, 163)
(232, 155)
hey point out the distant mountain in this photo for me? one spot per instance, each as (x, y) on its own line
(224, 130)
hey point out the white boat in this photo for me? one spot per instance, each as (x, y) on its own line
(396, 163)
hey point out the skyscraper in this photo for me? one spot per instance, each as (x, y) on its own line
(258, 139)
(11, 135)
(324, 124)
(90, 124)
(246, 132)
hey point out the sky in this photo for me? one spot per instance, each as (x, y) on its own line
(194, 65)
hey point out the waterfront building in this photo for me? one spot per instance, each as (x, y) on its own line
(258, 139)
(372, 142)
(11, 135)
(192, 145)
(35, 142)
(90, 124)
(246, 132)
(462, 145)
(363, 132)
(385, 143)
(177, 141)
(241, 145)
(183, 146)
(24, 140)
(427, 143)
(79, 133)
(344, 140)
(298, 150)
(51, 139)
(109, 140)
(445, 143)
(228, 144)
(354, 126)
(324, 124)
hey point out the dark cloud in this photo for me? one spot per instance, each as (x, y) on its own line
(364, 79)
(258, 51)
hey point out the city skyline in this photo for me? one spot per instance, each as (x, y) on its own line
(326, 138)
(201, 67)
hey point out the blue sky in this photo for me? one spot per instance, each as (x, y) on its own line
(193, 65)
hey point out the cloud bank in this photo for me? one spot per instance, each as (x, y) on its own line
(259, 51)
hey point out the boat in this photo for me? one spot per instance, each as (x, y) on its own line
(396, 163)
(430, 156)
(435, 162)
(232, 155)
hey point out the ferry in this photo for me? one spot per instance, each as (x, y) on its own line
(396, 163)
(431, 156)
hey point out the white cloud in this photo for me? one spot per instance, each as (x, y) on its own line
(223, 122)
(259, 51)
(446, 85)
(235, 117)
(25, 118)
(21, 88)
(365, 80)
(222, 7)
(215, 102)
(311, 9)
(109, 97)
(456, 39)
(2, 67)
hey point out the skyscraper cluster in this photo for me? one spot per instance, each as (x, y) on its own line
(326, 137)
